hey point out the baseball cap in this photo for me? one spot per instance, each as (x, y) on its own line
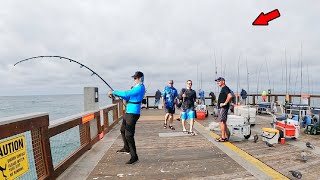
(137, 74)
(220, 79)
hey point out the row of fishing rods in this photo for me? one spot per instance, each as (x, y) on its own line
(266, 65)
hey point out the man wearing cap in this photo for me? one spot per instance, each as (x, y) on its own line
(223, 107)
(133, 98)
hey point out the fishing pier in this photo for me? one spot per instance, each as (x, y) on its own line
(83, 146)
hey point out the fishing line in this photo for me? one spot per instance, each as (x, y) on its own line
(69, 59)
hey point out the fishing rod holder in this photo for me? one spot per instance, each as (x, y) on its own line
(96, 93)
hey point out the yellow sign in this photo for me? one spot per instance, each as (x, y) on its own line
(13, 158)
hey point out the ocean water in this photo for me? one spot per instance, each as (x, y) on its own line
(58, 106)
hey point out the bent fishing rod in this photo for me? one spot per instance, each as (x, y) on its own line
(71, 60)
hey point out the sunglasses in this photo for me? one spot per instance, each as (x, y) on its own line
(170, 83)
(189, 83)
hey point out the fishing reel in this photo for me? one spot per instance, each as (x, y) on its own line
(111, 96)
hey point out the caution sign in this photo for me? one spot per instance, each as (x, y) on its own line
(13, 158)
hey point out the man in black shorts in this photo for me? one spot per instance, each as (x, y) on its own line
(223, 107)
(169, 96)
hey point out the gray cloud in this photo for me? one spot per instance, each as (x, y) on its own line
(164, 39)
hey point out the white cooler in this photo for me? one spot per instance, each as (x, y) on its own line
(270, 135)
(237, 125)
(234, 120)
(237, 110)
(249, 112)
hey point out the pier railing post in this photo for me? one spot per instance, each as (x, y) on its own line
(47, 150)
(91, 103)
(42, 151)
(290, 98)
(106, 120)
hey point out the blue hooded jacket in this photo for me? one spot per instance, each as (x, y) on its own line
(133, 98)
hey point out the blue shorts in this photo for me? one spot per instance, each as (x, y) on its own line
(187, 114)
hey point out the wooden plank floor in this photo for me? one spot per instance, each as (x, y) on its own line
(180, 157)
(194, 157)
(282, 158)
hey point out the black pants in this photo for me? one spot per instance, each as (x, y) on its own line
(127, 132)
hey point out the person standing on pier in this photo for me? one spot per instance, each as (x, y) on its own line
(202, 99)
(169, 96)
(243, 95)
(188, 97)
(213, 98)
(133, 98)
(264, 96)
(157, 97)
(223, 107)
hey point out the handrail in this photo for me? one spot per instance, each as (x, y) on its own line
(253, 96)
(10, 126)
(68, 118)
(21, 117)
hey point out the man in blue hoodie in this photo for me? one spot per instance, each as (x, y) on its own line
(133, 98)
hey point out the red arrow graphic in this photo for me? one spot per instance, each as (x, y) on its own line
(263, 19)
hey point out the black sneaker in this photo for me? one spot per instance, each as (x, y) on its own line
(123, 151)
(133, 161)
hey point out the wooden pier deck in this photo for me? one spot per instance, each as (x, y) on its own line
(168, 154)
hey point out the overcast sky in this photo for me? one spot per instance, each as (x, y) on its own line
(165, 39)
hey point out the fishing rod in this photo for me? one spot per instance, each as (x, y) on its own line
(69, 59)
(216, 71)
(238, 77)
(301, 72)
(247, 78)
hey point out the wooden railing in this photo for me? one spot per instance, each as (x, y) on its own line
(37, 124)
(252, 99)
(276, 97)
